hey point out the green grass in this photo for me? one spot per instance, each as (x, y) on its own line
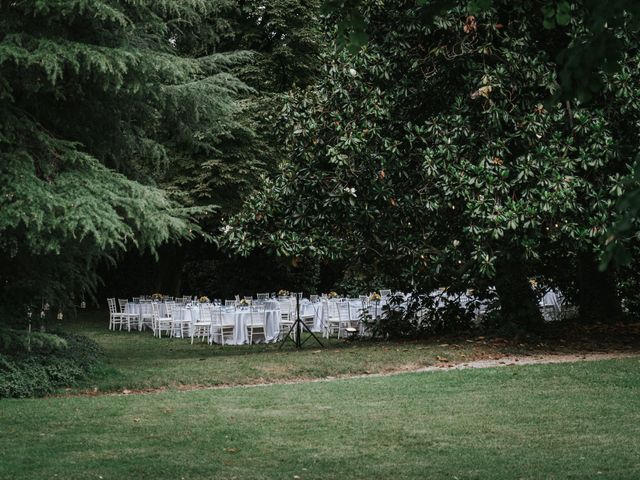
(140, 361)
(577, 421)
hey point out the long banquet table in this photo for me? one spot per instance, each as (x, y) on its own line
(240, 318)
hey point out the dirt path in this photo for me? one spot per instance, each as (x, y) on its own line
(486, 363)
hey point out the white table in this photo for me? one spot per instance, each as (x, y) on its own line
(240, 318)
(135, 308)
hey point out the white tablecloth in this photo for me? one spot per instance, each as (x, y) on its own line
(135, 308)
(318, 310)
(239, 317)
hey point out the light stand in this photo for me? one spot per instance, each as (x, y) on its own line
(298, 326)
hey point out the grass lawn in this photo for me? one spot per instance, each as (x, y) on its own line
(140, 361)
(579, 420)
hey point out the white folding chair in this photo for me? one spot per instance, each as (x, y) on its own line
(115, 318)
(262, 296)
(307, 317)
(357, 311)
(146, 315)
(286, 316)
(332, 318)
(130, 318)
(223, 325)
(179, 322)
(160, 323)
(257, 320)
(202, 327)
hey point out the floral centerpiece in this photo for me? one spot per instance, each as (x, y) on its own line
(283, 293)
(332, 295)
(157, 296)
(204, 299)
(375, 297)
(243, 303)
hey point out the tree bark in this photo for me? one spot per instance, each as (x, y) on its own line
(597, 296)
(518, 302)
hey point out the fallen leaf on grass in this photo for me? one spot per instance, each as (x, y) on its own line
(232, 450)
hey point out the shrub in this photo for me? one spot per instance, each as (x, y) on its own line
(55, 360)
(422, 315)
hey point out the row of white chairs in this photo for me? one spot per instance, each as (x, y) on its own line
(342, 318)
(212, 324)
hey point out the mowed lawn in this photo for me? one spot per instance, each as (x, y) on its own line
(138, 360)
(579, 420)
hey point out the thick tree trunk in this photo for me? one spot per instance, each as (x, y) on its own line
(597, 297)
(518, 302)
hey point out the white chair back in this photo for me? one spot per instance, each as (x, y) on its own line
(112, 305)
(206, 314)
(123, 304)
(258, 316)
(343, 310)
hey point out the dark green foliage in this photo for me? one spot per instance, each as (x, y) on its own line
(284, 37)
(18, 342)
(592, 49)
(97, 104)
(422, 316)
(432, 157)
(54, 361)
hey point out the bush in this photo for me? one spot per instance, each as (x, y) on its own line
(60, 360)
(421, 316)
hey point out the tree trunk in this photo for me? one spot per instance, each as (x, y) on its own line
(597, 297)
(518, 302)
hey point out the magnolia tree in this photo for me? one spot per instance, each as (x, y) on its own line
(434, 156)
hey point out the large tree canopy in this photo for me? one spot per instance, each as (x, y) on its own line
(284, 37)
(432, 156)
(95, 101)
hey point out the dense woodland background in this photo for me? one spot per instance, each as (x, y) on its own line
(228, 147)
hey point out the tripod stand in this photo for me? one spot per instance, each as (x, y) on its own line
(296, 329)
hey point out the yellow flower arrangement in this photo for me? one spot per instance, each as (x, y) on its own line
(157, 296)
(375, 297)
(283, 293)
(332, 295)
(243, 303)
(204, 299)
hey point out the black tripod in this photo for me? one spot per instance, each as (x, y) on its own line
(297, 327)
